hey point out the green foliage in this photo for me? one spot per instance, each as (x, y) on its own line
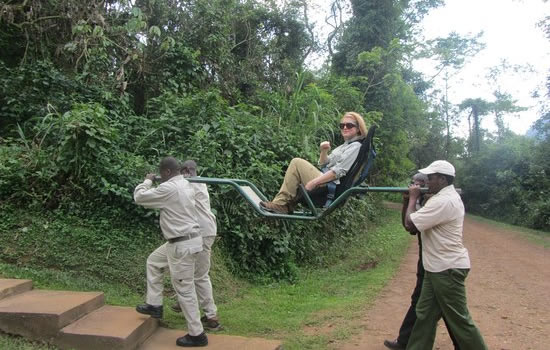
(33, 91)
(80, 137)
(68, 156)
(94, 94)
(86, 153)
(402, 113)
(370, 55)
(95, 245)
(89, 111)
(374, 24)
(231, 142)
(452, 51)
(246, 45)
(508, 181)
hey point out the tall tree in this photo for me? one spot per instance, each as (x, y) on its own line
(477, 108)
(504, 103)
(374, 23)
(371, 53)
(451, 54)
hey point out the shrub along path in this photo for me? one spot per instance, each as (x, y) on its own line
(508, 290)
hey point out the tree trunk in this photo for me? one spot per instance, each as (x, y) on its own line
(475, 114)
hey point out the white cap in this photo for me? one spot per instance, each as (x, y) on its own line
(440, 167)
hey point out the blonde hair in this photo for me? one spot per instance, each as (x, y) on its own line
(360, 122)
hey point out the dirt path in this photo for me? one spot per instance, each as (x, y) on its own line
(508, 291)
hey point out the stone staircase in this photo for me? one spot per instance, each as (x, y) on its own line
(81, 320)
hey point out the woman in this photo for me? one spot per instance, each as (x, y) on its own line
(336, 165)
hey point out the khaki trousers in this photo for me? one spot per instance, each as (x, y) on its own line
(203, 285)
(299, 171)
(180, 258)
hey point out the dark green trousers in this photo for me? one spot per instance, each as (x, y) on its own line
(444, 294)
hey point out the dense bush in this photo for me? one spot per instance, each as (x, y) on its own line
(82, 157)
(31, 92)
(509, 181)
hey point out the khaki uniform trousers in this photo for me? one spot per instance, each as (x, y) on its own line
(180, 258)
(203, 285)
(299, 171)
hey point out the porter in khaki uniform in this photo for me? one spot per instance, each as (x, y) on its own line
(208, 228)
(400, 343)
(446, 262)
(176, 200)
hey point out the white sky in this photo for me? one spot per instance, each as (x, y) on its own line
(510, 32)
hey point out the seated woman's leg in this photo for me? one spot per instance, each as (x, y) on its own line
(299, 171)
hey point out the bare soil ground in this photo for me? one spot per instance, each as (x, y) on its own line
(508, 291)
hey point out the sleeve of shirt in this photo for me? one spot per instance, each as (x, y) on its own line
(346, 159)
(152, 197)
(329, 158)
(435, 212)
(202, 196)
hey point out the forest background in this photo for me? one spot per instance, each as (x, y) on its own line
(93, 94)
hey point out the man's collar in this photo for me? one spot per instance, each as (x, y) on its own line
(175, 178)
(447, 189)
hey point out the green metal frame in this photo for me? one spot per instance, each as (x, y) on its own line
(314, 213)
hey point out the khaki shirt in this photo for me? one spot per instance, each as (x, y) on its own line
(205, 217)
(441, 222)
(176, 200)
(342, 157)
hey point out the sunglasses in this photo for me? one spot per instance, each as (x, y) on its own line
(347, 125)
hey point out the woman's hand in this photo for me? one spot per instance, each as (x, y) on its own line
(324, 148)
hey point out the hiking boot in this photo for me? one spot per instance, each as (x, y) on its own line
(274, 208)
(211, 324)
(152, 310)
(176, 307)
(394, 345)
(192, 340)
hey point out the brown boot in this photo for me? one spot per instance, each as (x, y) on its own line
(211, 324)
(275, 208)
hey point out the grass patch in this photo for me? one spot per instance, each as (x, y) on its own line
(321, 307)
(11, 342)
(115, 294)
(541, 238)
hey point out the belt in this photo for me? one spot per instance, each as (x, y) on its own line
(183, 238)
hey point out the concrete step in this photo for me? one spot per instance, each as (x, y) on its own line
(40, 314)
(80, 321)
(165, 339)
(9, 287)
(110, 327)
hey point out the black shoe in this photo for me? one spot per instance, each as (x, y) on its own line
(211, 324)
(153, 311)
(394, 345)
(192, 341)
